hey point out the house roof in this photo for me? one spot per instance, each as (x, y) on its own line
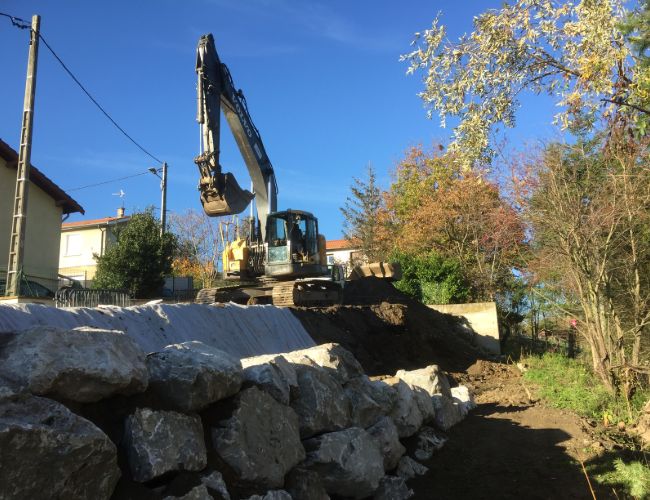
(340, 245)
(61, 198)
(106, 221)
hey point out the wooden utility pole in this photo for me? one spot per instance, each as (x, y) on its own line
(19, 221)
(163, 202)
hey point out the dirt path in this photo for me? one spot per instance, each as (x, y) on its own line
(509, 447)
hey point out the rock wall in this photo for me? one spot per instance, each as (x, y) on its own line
(85, 413)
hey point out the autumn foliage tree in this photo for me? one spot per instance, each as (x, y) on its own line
(434, 205)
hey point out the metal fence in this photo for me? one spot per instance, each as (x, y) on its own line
(84, 297)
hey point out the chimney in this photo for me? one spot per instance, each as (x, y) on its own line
(120, 212)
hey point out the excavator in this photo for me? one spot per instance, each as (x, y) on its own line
(281, 259)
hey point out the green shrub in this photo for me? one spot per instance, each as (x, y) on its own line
(634, 476)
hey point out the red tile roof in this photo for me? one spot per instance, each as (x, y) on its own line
(339, 245)
(94, 222)
(61, 198)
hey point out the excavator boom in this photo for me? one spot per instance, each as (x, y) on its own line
(220, 192)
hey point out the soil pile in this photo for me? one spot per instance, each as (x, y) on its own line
(394, 332)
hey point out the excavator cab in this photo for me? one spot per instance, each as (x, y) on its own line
(292, 244)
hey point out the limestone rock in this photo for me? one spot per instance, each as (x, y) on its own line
(272, 495)
(215, 484)
(303, 484)
(48, 451)
(192, 375)
(429, 441)
(409, 468)
(273, 374)
(370, 400)
(82, 364)
(349, 462)
(393, 488)
(464, 399)
(385, 433)
(322, 405)
(339, 362)
(430, 378)
(163, 441)
(447, 413)
(414, 407)
(261, 440)
(199, 492)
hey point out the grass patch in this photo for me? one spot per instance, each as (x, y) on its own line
(570, 384)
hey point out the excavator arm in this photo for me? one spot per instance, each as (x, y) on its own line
(220, 192)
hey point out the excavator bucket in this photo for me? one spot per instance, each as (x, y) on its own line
(229, 199)
(391, 271)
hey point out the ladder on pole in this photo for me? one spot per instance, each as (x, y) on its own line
(19, 220)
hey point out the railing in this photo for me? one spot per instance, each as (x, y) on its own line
(85, 297)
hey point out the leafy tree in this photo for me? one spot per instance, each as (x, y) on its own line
(576, 52)
(361, 215)
(589, 210)
(139, 260)
(199, 246)
(434, 206)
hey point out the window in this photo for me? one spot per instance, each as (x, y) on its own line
(72, 245)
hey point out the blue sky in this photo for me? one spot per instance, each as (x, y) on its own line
(322, 78)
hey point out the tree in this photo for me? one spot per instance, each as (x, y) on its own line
(200, 246)
(589, 210)
(361, 215)
(139, 259)
(575, 52)
(433, 205)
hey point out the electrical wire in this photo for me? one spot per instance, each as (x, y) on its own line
(108, 181)
(22, 24)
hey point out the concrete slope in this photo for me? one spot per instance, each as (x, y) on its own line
(241, 331)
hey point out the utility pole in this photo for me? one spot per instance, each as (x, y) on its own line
(19, 221)
(163, 202)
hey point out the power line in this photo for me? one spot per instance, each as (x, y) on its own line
(108, 181)
(20, 23)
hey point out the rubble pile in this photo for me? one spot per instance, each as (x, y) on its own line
(86, 413)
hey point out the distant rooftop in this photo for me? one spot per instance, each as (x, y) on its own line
(106, 221)
(340, 245)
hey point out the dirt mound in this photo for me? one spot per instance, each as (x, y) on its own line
(386, 337)
(371, 290)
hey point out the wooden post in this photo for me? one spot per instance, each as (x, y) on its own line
(19, 221)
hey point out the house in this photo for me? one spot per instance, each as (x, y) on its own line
(344, 252)
(47, 204)
(81, 240)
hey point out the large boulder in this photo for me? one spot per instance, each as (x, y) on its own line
(192, 375)
(304, 484)
(213, 480)
(429, 441)
(339, 362)
(83, 364)
(272, 374)
(321, 405)
(199, 492)
(46, 451)
(272, 495)
(409, 468)
(349, 462)
(413, 408)
(393, 488)
(385, 433)
(464, 399)
(371, 400)
(261, 440)
(447, 412)
(430, 378)
(163, 441)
